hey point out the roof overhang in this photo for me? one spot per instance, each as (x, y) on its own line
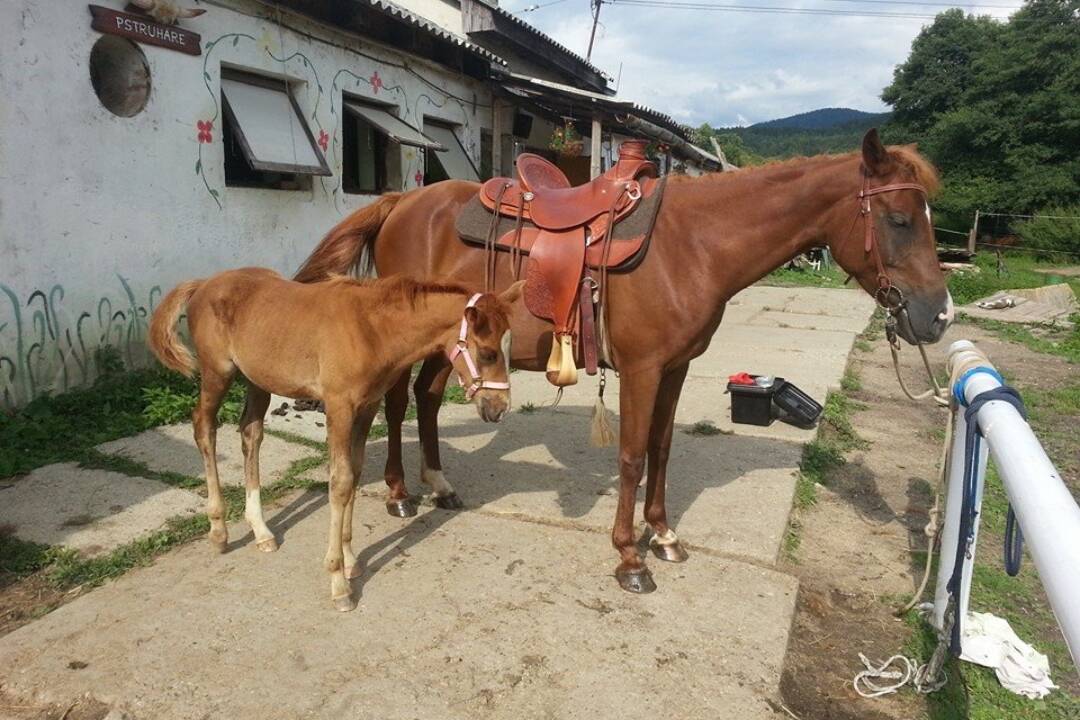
(487, 22)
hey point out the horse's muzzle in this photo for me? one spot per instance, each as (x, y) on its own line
(926, 318)
(492, 405)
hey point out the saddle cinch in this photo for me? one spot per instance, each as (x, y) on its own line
(569, 238)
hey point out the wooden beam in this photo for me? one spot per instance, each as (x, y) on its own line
(594, 148)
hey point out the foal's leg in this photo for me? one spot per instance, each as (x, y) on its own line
(251, 435)
(429, 387)
(340, 417)
(361, 428)
(664, 542)
(398, 503)
(637, 398)
(212, 389)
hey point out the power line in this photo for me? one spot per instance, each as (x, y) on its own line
(931, 4)
(765, 9)
(533, 8)
(1040, 217)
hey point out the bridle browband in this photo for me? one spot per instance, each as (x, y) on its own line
(461, 352)
(887, 295)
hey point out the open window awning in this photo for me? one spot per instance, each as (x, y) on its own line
(273, 134)
(454, 159)
(394, 127)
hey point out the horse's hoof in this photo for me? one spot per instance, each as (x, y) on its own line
(268, 545)
(638, 580)
(449, 502)
(672, 552)
(401, 508)
(345, 603)
(355, 571)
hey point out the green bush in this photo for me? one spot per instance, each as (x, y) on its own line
(1048, 231)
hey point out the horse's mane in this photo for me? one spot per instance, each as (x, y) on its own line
(906, 155)
(403, 288)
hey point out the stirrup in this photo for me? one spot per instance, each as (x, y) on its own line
(561, 370)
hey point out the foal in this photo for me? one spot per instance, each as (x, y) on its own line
(342, 341)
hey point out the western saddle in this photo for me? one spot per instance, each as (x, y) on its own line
(568, 234)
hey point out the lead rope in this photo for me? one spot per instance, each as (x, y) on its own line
(939, 394)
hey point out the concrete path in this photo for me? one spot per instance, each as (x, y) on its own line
(505, 610)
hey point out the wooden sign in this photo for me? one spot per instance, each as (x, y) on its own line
(145, 30)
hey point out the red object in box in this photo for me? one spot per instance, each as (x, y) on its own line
(742, 378)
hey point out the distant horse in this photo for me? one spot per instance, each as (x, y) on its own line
(714, 236)
(343, 341)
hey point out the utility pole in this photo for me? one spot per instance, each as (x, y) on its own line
(595, 19)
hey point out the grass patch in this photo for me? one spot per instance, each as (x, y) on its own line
(21, 557)
(1019, 272)
(528, 408)
(1043, 339)
(851, 382)
(830, 277)
(706, 428)
(64, 427)
(454, 393)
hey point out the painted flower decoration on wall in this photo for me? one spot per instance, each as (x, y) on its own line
(376, 82)
(324, 140)
(419, 178)
(266, 42)
(206, 130)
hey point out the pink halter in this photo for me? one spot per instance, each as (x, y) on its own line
(461, 350)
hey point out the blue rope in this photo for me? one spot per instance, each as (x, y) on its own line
(972, 443)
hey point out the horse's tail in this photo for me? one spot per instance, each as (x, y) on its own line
(341, 251)
(164, 341)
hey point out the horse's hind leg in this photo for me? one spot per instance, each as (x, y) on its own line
(204, 419)
(251, 435)
(429, 387)
(664, 542)
(398, 502)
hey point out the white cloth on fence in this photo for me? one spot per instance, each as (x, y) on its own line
(990, 641)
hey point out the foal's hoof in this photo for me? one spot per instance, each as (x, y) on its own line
(345, 603)
(268, 545)
(638, 580)
(449, 502)
(672, 552)
(401, 508)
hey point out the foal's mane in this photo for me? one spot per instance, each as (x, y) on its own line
(906, 156)
(402, 288)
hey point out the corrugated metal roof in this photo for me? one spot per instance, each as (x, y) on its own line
(442, 33)
(545, 37)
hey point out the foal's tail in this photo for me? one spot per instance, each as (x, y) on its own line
(342, 249)
(164, 341)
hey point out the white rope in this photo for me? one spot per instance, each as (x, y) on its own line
(926, 678)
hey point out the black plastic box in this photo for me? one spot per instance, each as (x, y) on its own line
(753, 404)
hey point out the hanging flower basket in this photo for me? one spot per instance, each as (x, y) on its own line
(566, 141)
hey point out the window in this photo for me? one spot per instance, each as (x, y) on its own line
(487, 160)
(449, 161)
(120, 75)
(267, 142)
(371, 137)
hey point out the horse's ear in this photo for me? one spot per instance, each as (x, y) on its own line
(876, 158)
(512, 293)
(477, 320)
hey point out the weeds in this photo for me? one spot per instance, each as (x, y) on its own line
(706, 428)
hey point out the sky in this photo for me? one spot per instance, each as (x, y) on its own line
(739, 68)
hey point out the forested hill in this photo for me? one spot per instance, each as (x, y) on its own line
(823, 119)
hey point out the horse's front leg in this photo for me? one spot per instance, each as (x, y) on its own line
(398, 502)
(637, 400)
(429, 387)
(664, 542)
(361, 429)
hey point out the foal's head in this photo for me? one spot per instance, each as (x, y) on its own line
(480, 352)
(887, 241)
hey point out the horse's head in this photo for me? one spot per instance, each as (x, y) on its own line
(481, 353)
(887, 242)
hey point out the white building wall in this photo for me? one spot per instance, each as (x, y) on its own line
(100, 215)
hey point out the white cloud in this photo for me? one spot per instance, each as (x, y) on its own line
(737, 68)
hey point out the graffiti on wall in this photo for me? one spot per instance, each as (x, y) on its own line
(45, 347)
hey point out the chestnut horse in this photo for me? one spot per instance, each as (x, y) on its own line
(714, 236)
(343, 341)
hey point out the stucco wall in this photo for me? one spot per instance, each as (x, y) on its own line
(100, 214)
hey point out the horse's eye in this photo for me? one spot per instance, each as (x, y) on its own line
(898, 220)
(488, 355)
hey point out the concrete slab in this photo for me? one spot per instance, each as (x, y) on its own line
(310, 424)
(460, 616)
(171, 448)
(93, 511)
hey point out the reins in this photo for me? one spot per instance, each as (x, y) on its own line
(461, 352)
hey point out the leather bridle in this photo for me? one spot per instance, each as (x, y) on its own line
(461, 355)
(887, 295)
